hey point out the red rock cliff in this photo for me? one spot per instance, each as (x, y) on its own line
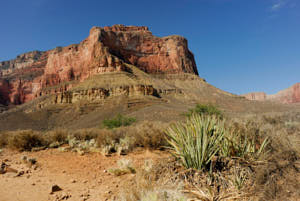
(105, 50)
(289, 95)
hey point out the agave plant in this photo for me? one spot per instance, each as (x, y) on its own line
(196, 141)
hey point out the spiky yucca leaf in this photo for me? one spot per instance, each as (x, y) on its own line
(196, 141)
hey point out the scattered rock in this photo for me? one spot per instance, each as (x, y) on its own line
(23, 158)
(35, 149)
(73, 181)
(54, 145)
(63, 196)
(55, 188)
(3, 168)
(32, 161)
(64, 149)
(20, 173)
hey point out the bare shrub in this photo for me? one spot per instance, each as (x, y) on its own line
(25, 140)
(149, 134)
(57, 135)
(3, 139)
(86, 134)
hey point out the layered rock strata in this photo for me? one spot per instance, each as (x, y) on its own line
(104, 50)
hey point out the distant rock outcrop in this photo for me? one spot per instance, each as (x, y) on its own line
(105, 50)
(289, 95)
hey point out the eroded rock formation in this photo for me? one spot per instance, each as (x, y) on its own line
(289, 95)
(104, 50)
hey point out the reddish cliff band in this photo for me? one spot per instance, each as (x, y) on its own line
(105, 50)
(289, 95)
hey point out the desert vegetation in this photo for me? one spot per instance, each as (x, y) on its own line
(118, 121)
(205, 109)
(213, 158)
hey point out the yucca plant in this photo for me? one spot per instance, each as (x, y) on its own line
(239, 145)
(196, 141)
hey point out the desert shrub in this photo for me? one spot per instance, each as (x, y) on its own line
(86, 134)
(124, 167)
(202, 109)
(57, 135)
(118, 121)
(202, 138)
(25, 140)
(108, 137)
(273, 120)
(124, 139)
(197, 141)
(3, 139)
(154, 182)
(243, 143)
(149, 134)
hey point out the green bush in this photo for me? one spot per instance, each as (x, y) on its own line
(118, 121)
(197, 141)
(202, 109)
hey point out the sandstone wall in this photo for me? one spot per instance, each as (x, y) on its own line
(104, 50)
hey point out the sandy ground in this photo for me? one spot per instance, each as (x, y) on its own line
(80, 177)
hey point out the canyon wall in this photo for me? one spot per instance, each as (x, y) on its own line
(289, 95)
(104, 50)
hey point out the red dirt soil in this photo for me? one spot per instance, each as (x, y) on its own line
(81, 177)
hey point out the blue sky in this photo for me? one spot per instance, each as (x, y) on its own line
(239, 45)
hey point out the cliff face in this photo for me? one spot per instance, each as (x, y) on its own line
(105, 50)
(260, 96)
(289, 95)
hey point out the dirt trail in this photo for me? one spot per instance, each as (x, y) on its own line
(80, 177)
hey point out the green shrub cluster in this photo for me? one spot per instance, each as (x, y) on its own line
(202, 138)
(118, 121)
(202, 109)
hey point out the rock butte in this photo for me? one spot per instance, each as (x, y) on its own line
(106, 49)
(289, 95)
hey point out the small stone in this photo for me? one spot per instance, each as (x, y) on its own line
(20, 173)
(55, 188)
(73, 181)
(54, 145)
(24, 158)
(32, 161)
(108, 192)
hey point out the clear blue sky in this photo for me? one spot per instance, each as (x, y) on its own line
(239, 45)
